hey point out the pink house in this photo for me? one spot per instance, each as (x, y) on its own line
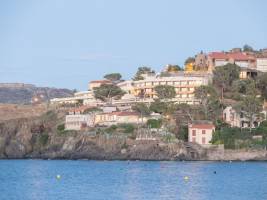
(200, 132)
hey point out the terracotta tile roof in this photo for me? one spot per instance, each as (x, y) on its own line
(202, 126)
(218, 55)
(232, 55)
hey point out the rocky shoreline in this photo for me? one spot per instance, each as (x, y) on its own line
(37, 138)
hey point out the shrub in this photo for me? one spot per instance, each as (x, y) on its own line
(111, 129)
(233, 138)
(43, 139)
(127, 128)
(169, 138)
(183, 133)
(61, 127)
(154, 123)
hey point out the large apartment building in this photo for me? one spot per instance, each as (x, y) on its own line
(184, 84)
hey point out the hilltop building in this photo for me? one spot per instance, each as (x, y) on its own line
(239, 58)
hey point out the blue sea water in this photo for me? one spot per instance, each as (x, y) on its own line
(134, 180)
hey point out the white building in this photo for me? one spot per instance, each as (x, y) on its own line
(200, 132)
(184, 84)
(126, 86)
(262, 64)
(78, 122)
(235, 119)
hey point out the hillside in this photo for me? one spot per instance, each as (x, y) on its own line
(15, 111)
(19, 93)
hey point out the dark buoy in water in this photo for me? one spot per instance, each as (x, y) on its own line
(214, 172)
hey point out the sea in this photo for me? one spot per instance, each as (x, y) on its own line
(131, 180)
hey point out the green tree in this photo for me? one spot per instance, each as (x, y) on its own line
(189, 60)
(262, 85)
(113, 77)
(159, 107)
(250, 106)
(173, 68)
(154, 123)
(142, 109)
(225, 75)
(247, 48)
(108, 91)
(242, 86)
(209, 101)
(141, 71)
(165, 92)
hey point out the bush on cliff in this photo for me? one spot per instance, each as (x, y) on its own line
(61, 127)
(121, 128)
(126, 128)
(154, 123)
(43, 139)
(169, 138)
(183, 133)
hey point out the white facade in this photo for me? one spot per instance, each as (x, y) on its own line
(244, 64)
(235, 119)
(200, 133)
(77, 122)
(262, 64)
(184, 84)
(126, 86)
(220, 62)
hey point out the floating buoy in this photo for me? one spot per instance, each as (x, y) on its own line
(214, 172)
(58, 177)
(186, 178)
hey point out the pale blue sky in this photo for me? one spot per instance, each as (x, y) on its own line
(67, 43)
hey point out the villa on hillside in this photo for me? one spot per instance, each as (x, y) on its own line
(235, 119)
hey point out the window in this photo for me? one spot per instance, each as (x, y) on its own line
(203, 131)
(193, 139)
(203, 140)
(194, 133)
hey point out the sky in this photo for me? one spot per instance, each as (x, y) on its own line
(67, 43)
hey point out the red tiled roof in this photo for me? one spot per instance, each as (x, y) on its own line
(218, 55)
(202, 126)
(232, 55)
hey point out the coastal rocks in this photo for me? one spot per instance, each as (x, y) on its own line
(38, 138)
(15, 149)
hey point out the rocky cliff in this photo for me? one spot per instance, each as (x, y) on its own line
(37, 137)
